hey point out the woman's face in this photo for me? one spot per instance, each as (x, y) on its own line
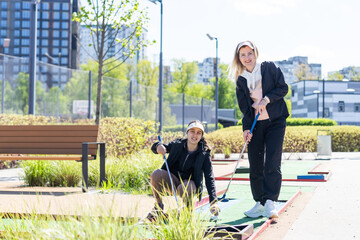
(194, 135)
(247, 58)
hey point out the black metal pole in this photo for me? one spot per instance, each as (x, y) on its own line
(160, 71)
(183, 113)
(3, 85)
(32, 64)
(216, 87)
(323, 96)
(90, 90)
(130, 98)
(317, 104)
(202, 109)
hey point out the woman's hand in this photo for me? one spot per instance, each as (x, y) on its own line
(214, 209)
(247, 136)
(161, 149)
(262, 106)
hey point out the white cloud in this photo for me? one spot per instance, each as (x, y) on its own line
(263, 7)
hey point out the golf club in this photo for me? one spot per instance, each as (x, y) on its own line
(168, 170)
(237, 163)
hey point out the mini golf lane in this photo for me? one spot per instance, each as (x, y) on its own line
(240, 200)
(290, 172)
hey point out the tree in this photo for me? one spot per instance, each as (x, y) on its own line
(335, 76)
(184, 75)
(107, 20)
(303, 73)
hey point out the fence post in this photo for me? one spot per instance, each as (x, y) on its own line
(130, 98)
(90, 90)
(202, 109)
(183, 113)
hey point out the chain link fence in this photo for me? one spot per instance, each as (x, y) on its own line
(64, 93)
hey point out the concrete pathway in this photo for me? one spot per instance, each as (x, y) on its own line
(334, 210)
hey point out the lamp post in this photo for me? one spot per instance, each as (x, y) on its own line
(317, 101)
(216, 81)
(6, 44)
(323, 98)
(160, 66)
(32, 64)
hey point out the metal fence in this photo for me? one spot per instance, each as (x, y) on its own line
(65, 93)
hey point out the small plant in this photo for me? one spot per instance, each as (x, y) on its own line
(227, 152)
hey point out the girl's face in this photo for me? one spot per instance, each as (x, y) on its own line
(247, 58)
(194, 135)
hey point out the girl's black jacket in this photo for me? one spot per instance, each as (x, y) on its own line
(273, 86)
(200, 165)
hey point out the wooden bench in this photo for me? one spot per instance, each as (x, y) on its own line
(53, 142)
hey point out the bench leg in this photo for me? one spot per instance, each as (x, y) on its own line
(102, 163)
(85, 167)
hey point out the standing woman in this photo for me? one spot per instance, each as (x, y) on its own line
(261, 88)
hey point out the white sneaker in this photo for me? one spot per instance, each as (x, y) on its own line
(256, 211)
(270, 210)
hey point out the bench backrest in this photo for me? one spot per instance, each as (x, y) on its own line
(47, 139)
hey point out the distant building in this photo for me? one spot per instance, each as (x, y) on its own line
(56, 36)
(341, 100)
(87, 50)
(289, 67)
(348, 73)
(207, 70)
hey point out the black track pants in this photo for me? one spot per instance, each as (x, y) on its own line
(264, 151)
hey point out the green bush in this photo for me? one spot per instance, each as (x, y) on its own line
(297, 139)
(306, 122)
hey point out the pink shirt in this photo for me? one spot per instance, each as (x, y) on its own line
(254, 84)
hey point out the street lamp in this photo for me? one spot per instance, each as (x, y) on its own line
(32, 63)
(6, 44)
(317, 101)
(160, 66)
(216, 81)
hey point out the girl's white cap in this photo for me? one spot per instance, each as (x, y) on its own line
(196, 124)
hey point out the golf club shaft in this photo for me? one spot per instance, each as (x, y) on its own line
(168, 170)
(242, 152)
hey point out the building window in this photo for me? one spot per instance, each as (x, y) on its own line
(64, 34)
(55, 51)
(16, 42)
(64, 43)
(3, 23)
(3, 33)
(25, 33)
(64, 25)
(44, 42)
(45, 15)
(17, 5)
(45, 24)
(65, 6)
(26, 5)
(25, 41)
(25, 24)
(3, 14)
(341, 106)
(17, 24)
(3, 5)
(56, 25)
(65, 16)
(25, 14)
(64, 51)
(17, 15)
(16, 51)
(17, 33)
(56, 6)
(45, 33)
(44, 6)
(357, 107)
(57, 15)
(25, 50)
(56, 43)
(56, 33)
(63, 61)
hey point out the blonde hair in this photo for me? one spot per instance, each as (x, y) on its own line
(236, 67)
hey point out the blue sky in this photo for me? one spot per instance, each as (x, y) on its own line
(324, 30)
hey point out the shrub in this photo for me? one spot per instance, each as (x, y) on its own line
(297, 138)
(306, 122)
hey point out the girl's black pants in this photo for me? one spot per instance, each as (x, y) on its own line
(264, 151)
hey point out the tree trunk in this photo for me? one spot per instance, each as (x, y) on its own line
(98, 98)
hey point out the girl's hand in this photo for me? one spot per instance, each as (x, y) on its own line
(262, 106)
(161, 149)
(247, 136)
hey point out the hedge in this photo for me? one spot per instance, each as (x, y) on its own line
(307, 122)
(297, 139)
